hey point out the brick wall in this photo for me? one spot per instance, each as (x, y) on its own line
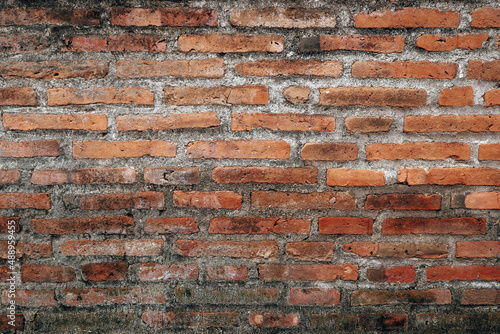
(320, 166)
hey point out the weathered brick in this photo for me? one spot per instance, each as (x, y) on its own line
(196, 68)
(40, 201)
(157, 319)
(307, 272)
(368, 124)
(106, 95)
(283, 122)
(115, 43)
(404, 274)
(398, 249)
(101, 149)
(36, 16)
(239, 149)
(369, 43)
(408, 18)
(362, 322)
(5, 322)
(122, 247)
(94, 225)
(296, 175)
(452, 123)
(310, 251)
(172, 121)
(492, 98)
(106, 271)
(28, 249)
(476, 249)
(372, 96)
(480, 297)
(484, 70)
(302, 201)
(450, 176)
(224, 43)
(354, 177)
(31, 298)
(6, 222)
(404, 69)
(10, 176)
(418, 150)
(297, 94)
(87, 69)
(384, 297)
(449, 43)
(314, 296)
(27, 122)
(482, 201)
(463, 273)
(345, 225)
(456, 97)
(183, 225)
(226, 296)
(289, 67)
(244, 249)
(489, 152)
(227, 273)
(250, 225)
(160, 17)
(115, 201)
(155, 272)
(455, 225)
(83, 176)
(329, 151)
(21, 43)
(67, 322)
(403, 202)
(486, 17)
(208, 199)
(44, 273)
(128, 295)
(172, 175)
(18, 96)
(29, 149)
(279, 17)
(271, 320)
(221, 95)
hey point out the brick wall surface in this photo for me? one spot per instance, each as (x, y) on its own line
(241, 166)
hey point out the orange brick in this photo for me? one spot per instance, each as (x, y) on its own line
(9, 176)
(239, 149)
(107, 95)
(223, 43)
(450, 176)
(283, 122)
(408, 18)
(448, 43)
(208, 200)
(250, 225)
(482, 200)
(160, 17)
(310, 251)
(123, 247)
(172, 121)
(289, 67)
(226, 96)
(278, 17)
(87, 69)
(368, 124)
(83, 176)
(239, 249)
(27, 122)
(101, 149)
(480, 297)
(183, 225)
(302, 175)
(369, 43)
(302, 201)
(492, 98)
(398, 249)
(29, 149)
(172, 175)
(463, 273)
(297, 94)
(39, 201)
(21, 43)
(18, 97)
(486, 17)
(30, 250)
(345, 225)
(489, 152)
(455, 226)
(314, 296)
(478, 249)
(418, 150)
(354, 177)
(456, 97)
(93, 225)
(329, 151)
(404, 69)
(391, 275)
(35, 16)
(372, 96)
(484, 70)
(115, 43)
(307, 272)
(227, 273)
(155, 272)
(452, 123)
(197, 68)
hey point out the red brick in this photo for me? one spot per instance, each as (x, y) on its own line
(18, 97)
(115, 201)
(463, 273)
(455, 226)
(249, 225)
(40, 201)
(29, 149)
(368, 124)
(486, 17)
(484, 70)
(489, 152)
(475, 249)
(372, 96)
(299, 175)
(314, 296)
(21, 43)
(407, 18)
(218, 95)
(239, 249)
(224, 43)
(36, 16)
(183, 225)
(372, 322)
(128, 295)
(403, 202)
(156, 319)
(398, 249)
(28, 249)
(5, 222)
(44, 273)
(345, 225)
(94, 225)
(307, 272)
(329, 151)
(239, 149)
(31, 298)
(172, 175)
(482, 201)
(492, 98)
(368, 43)
(106, 271)
(27, 122)
(384, 297)
(115, 43)
(5, 274)
(450, 176)
(481, 297)
(10, 176)
(354, 177)
(175, 17)
(418, 150)
(65, 69)
(196, 68)
(278, 17)
(282, 122)
(169, 122)
(208, 199)
(227, 273)
(310, 251)
(404, 69)
(296, 94)
(391, 275)
(456, 97)
(452, 123)
(302, 201)
(289, 67)
(122, 247)
(155, 272)
(5, 322)
(101, 149)
(105, 95)
(270, 320)
(449, 43)
(83, 176)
